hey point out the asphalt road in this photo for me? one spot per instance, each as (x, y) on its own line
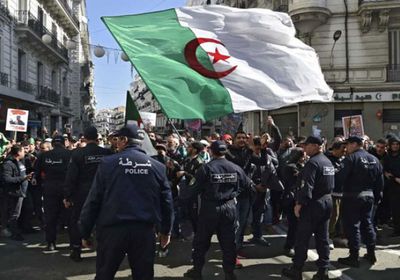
(26, 260)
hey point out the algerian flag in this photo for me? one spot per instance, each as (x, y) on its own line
(208, 61)
(131, 111)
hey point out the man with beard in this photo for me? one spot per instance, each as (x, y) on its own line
(240, 154)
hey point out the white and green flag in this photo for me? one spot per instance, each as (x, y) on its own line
(208, 61)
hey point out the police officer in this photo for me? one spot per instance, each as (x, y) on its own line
(129, 195)
(313, 208)
(50, 170)
(80, 175)
(218, 182)
(362, 181)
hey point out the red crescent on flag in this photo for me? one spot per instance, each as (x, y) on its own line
(191, 58)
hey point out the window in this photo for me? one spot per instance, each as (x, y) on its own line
(22, 65)
(39, 76)
(54, 80)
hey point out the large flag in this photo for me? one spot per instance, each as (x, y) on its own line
(131, 112)
(208, 61)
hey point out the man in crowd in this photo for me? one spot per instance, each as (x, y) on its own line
(219, 183)
(50, 171)
(362, 181)
(313, 208)
(79, 178)
(129, 196)
(391, 165)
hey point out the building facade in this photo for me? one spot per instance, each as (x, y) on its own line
(42, 45)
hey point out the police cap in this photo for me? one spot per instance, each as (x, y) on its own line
(314, 140)
(218, 147)
(355, 139)
(129, 131)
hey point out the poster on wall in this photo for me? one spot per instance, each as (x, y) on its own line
(353, 126)
(17, 120)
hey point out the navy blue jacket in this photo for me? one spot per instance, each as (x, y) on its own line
(128, 187)
(361, 172)
(317, 179)
(220, 180)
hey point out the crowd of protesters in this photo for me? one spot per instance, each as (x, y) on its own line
(273, 163)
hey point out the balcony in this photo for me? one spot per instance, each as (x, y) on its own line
(62, 12)
(393, 73)
(26, 87)
(3, 79)
(47, 94)
(31, 30)
(307, 15)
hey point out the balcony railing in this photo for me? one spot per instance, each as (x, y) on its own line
(47, 94)
(66, 102)
(26, 87)
(27, 19)
(64, 3)
(4, 79)
(393, 73)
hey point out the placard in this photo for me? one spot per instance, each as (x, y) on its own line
(353, 126)
(17, 120)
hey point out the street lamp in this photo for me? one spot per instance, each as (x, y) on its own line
(336, 37)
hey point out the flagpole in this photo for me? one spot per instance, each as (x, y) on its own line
(177, 132)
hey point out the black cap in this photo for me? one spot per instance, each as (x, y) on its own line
(355, 139)
(313, 140)
(218, 147)
(58, 139)
(130, 131)
(90, 133)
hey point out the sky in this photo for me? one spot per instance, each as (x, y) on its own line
(111, 78)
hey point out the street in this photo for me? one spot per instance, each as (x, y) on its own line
(27, 260)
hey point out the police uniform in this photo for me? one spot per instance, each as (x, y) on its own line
(218, 182)
(80, 175)
(362, 180)
(314, 196)
(50, 170)
(130, 194)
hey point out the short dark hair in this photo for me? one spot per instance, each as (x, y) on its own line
(381, 141)
(15, 149)
(257, 141)
(240, 132)
(25, 143)
(197, 146)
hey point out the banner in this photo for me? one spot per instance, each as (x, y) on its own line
(17, 120)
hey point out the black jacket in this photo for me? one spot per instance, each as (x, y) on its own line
(81, 170)
(11, 177)
(128, 187)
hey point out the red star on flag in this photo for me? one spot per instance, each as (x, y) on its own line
(218, 56)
